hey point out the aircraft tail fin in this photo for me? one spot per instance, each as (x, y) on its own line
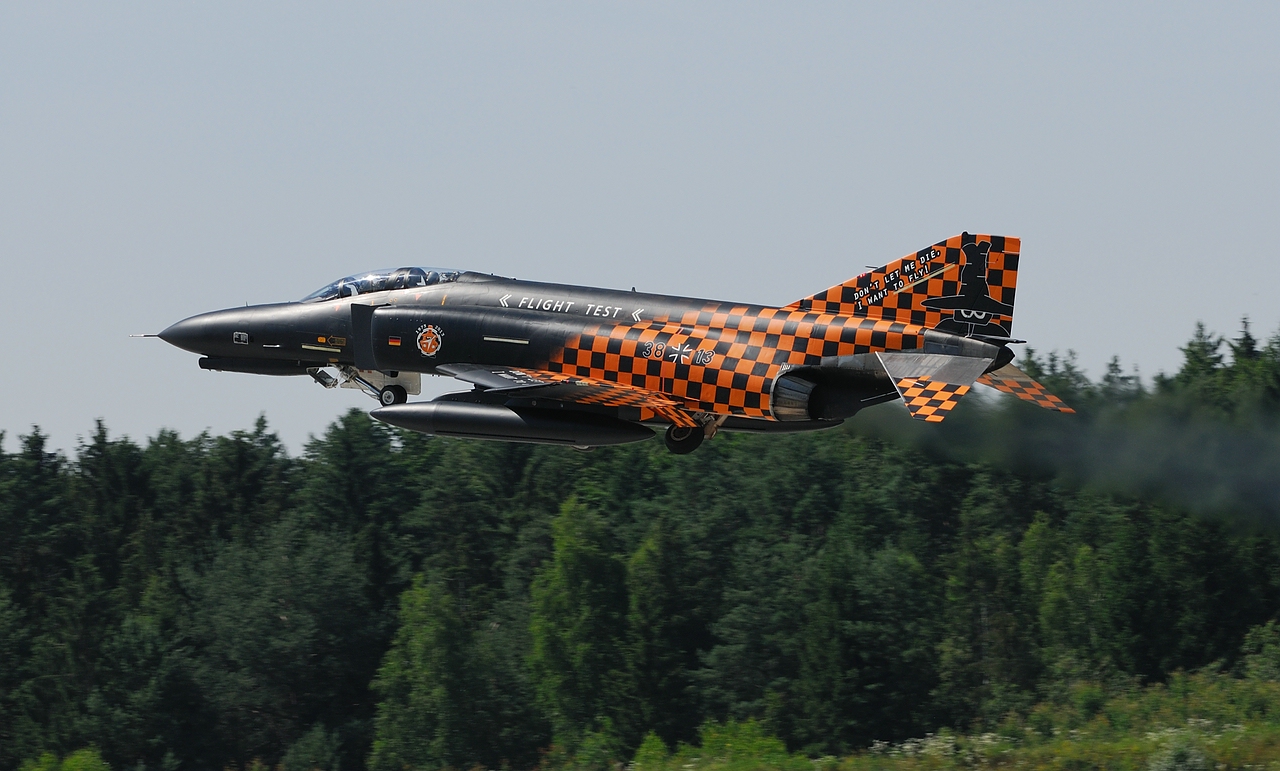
(964, 285)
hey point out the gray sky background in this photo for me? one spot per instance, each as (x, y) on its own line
(161, 160)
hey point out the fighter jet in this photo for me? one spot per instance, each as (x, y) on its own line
(584, 367)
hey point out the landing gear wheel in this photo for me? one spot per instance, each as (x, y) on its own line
(683, 440)
(393, 394)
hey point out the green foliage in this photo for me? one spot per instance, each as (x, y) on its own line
(432, 690)
(84, 760)
(1009, 580)
(317, 750)
(651, 754)
(866, 665)
(46, 762)
(88, 759)
(1261, 652)
(284, 632)
(578, 607)
(662, 639)
(731, 746)
(1200, 721)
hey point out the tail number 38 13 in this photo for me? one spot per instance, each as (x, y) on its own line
(682, 354)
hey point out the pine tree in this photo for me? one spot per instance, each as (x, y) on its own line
(577, 623)
(661, 642)
(866, 660)
(433, 708)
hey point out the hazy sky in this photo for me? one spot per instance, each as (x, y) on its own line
(161, 160)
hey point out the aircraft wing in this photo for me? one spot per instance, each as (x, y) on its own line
(931, 384)
(532, 383)
(492, 377)
(1014, 381)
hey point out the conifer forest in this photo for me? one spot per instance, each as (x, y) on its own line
(1011, 587)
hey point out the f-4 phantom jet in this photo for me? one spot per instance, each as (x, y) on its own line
(584, 367)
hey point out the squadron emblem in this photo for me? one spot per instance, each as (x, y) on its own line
(430, 338)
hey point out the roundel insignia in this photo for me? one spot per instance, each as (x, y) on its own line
(430, 338)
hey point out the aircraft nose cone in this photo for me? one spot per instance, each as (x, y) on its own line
(189, 334)
(231, 332)
(208, 333)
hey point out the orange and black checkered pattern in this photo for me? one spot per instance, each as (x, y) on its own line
(929, 400)
(724, 358)
(897, 291)
(1014, 381)
(585, 390)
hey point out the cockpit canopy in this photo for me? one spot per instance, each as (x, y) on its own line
(383, 280)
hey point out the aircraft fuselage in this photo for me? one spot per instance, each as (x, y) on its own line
(711, 356)
(586, 366)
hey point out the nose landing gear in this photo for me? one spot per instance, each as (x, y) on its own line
(387, 387)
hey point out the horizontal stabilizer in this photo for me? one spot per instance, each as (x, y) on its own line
(1014, 381)
(931, 384)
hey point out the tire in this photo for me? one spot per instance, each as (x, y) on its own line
(393, 394)
(681, 440)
